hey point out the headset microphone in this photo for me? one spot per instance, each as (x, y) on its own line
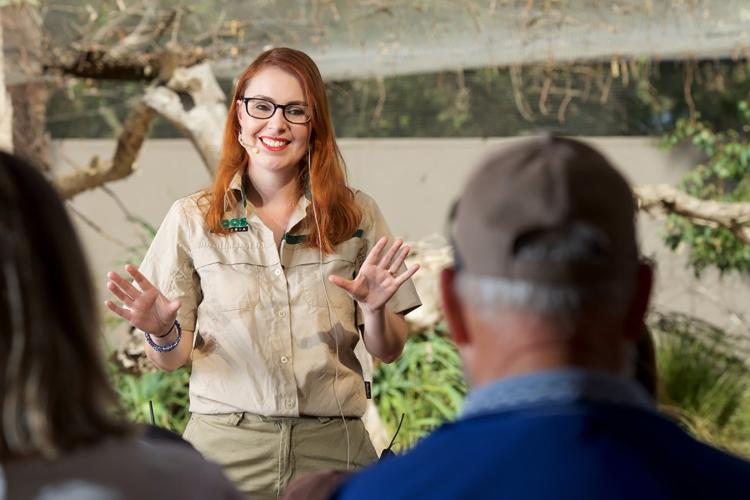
(245, 145)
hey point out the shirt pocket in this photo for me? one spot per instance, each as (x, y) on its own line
(340, 263)
(229, 277)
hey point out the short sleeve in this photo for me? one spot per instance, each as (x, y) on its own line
(168, 264)
(375, 227)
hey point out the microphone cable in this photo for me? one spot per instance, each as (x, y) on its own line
(388, 452)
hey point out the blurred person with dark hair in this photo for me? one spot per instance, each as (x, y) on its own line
(546, 302)
(61, 436)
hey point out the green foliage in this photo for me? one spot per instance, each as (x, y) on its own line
(168, 391)
(426, 383)
(702, 383)
(724, 176)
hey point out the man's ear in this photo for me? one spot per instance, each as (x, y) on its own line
(452, 308)
(636, 315)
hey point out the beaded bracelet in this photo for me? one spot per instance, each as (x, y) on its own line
(165, 347)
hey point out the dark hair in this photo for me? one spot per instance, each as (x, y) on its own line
(55, 392)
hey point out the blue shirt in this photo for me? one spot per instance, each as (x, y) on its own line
(555, 386)
(566, 434)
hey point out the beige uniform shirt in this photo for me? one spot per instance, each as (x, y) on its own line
(270, 339)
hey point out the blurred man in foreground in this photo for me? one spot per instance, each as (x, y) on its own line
(545, 302)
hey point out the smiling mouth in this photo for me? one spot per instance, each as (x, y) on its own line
(274, 144)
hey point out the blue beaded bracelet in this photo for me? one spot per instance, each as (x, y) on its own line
(165, 347)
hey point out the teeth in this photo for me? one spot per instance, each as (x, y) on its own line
(272, 143)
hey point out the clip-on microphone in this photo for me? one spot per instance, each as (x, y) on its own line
(387, 452)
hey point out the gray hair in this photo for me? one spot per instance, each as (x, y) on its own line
(580, 243)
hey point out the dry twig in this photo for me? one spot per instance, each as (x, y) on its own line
(734, 217)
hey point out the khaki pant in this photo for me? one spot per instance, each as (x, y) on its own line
(262, 455)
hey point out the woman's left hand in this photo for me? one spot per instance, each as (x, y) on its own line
(378, 278)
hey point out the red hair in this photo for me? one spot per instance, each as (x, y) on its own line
(338, 214)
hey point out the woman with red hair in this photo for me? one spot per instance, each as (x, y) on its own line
(266, 281)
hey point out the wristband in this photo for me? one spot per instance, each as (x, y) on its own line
(165, 347)
(162, 336)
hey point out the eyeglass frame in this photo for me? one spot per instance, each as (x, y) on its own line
(283, 107)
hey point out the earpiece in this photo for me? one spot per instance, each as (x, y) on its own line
(242, 142)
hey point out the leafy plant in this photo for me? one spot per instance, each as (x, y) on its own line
(426, 384)
(724, 176)
(168, 392)
(703, 384)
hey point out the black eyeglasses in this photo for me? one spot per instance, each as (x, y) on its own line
(264, 109)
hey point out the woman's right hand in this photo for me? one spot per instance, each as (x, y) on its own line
(146, 309)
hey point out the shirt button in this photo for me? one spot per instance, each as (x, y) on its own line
(284, 359)
(277, 272)
(290, 403)
(282, 314)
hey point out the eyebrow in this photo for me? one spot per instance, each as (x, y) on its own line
(301, 103)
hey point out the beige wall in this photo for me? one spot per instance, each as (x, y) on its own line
(414, 181)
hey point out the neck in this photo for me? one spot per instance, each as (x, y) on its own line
(272, 188)
(526, 363)
(523, 345)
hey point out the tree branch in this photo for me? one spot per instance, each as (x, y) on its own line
(97, 63)
(140, 55)
(193, 101)
(734, 217)
(141, 35)
(134, 132)
(94, 226)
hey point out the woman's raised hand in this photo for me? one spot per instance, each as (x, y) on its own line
(378, 278)
(146, 309)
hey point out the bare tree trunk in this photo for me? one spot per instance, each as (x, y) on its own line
(6, 106)
(22, 31)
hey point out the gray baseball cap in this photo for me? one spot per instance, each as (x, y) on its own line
(540, 189)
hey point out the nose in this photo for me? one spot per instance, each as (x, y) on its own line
(277, 121)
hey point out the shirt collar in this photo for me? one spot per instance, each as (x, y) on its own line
(300, 211)
(235, 189)
(236, 183)
(555, 386)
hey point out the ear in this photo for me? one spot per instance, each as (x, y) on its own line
(452, 308)
(238, 108)
(634, 321)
